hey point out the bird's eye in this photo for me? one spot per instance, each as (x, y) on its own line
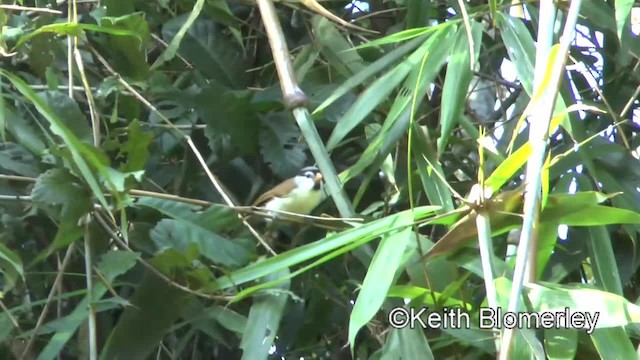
(309, 174)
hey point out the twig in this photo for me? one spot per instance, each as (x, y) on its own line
(45, 309)
(28, 8)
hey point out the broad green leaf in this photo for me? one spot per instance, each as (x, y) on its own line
(68, 111)
(183, 236)
(23, 131)
(210, 50)
(279, 147)
(58, 188)
(611, 310)
(428, 168)
(229, 116)
(380, 275)
(216, 217)
(264, 319)
(600, 215)
(613, 341)
(599, 15)
(156, 306)
(520, 47)
(414, 292)
(136, 148)
(17, 160)
(129, 53)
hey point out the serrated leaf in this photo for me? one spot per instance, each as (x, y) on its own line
(136, 148)
(183, 236)
(57, 187)
(16, 159)
(279, 145)
(228, 115)
(116, 263)
(128, 52)
(212, 52)
(69, 111)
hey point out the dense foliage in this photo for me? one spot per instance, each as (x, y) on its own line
(114, 239)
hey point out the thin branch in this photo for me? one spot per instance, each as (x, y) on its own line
(28, 8)
(45, 309)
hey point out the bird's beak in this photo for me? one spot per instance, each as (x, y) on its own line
(318, 178)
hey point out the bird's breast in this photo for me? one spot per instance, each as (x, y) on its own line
(297, 202)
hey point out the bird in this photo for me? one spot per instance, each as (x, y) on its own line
(299, 194)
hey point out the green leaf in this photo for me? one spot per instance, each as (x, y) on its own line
(12, 259)
(128, 53)
(23, 132)
(335, 48)
(210, 50)
(600, 215)
(613, 341)
(74, 29)
(520, 47)
(264, 319)
(58, 188)
(182, 236)
(368, 72)
(68, 111)
(215, 218)
(456, 83)
(136, 147)
(228, 115)
(382, 87)
(57, 126)
(417, 13)
(279, 145)
(15, 159)
(611, 310)
(560, 343)
(171, 50)
(623, 16)
(380, 275)
(142, 326)
(115, 263)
